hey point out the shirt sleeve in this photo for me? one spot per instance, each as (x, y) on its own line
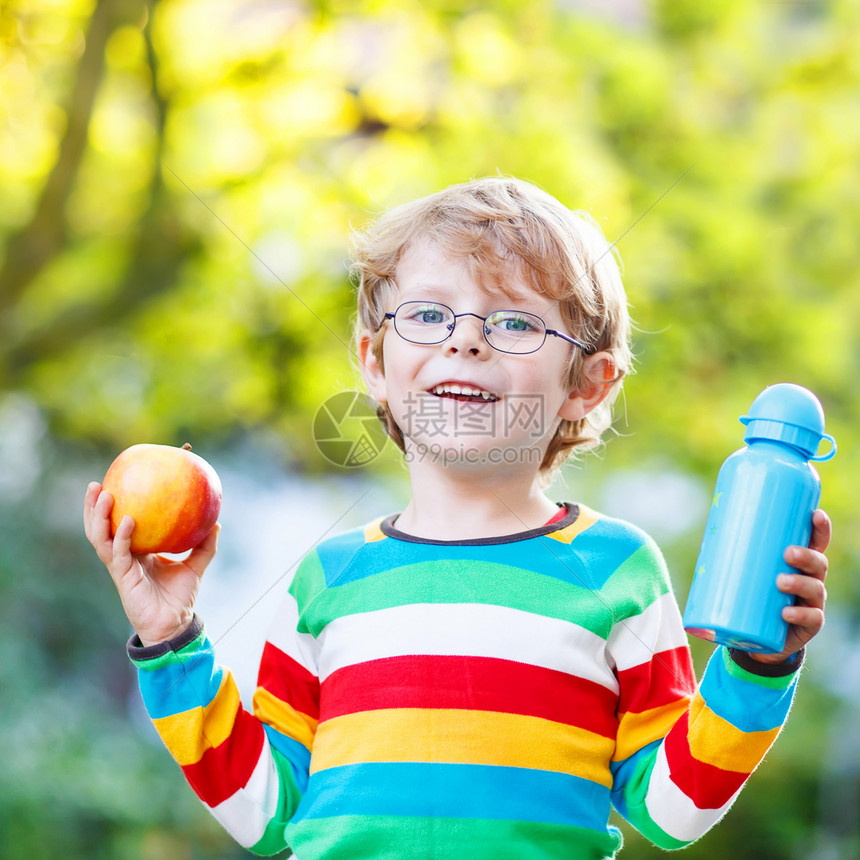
(684, 753)
(250, 768)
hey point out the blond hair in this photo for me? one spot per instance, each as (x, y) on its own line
(497, 225)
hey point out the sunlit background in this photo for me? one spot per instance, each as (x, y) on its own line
(178, 180)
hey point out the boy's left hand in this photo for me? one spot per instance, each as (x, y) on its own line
(806, 617)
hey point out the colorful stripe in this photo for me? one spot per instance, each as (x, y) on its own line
(284, 717)
(666, 678)
(435, 790)
(707, 785)
(349, 836)
(637, 730)
(468, 581)
(716, 741)
(674, 812)
(189, 734)
(479, 700)
(586, 519)
(372, 531)
(437, 682)
(289, 681)
(635, 640)
(251, 809)
(227, 767)
(462, 737)
(476, 630)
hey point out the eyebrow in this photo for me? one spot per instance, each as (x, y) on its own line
(447, 294)
(428, 291)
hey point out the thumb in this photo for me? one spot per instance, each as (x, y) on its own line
(200, 557)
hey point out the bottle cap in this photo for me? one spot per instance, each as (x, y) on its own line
(792, 415)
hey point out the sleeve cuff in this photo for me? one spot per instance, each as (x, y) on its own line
(138, 652)
(767, 670)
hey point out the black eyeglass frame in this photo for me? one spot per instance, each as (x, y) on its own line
(391, 315)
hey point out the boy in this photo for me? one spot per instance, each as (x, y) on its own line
(483, 675)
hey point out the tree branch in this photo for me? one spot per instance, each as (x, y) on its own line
(153, 267)
(30, 249)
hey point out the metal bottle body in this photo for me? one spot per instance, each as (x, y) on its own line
(763, 503)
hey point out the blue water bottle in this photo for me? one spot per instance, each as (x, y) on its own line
(763, 503)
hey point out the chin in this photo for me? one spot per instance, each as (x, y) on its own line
(473, 455)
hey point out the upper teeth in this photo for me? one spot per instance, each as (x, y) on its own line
(451, 388)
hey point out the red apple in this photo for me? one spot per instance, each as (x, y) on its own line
(173, 495)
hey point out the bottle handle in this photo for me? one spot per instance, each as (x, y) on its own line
(829, 454)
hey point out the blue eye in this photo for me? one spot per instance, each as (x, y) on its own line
(426, 315)
(512, 324)
(509, 322)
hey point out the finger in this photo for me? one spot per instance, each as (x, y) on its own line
(805, 588)
(98, 528)
(92, 493)
(810, 619)
(121, 558)
(822, 530)
(124, 530)
(808, 561)
(90, 498)
(200, 557)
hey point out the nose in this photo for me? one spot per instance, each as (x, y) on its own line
(468, 337)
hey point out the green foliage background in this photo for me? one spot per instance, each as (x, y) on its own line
(178, 181)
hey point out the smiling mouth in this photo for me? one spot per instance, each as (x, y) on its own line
(465, 393)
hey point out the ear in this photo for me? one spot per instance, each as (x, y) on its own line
(599, 375)
(371, 369)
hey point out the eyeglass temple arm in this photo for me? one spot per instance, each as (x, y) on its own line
(588, 350)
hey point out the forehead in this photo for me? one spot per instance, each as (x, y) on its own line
(426, 270)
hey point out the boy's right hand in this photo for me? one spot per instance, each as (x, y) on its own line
(157, 593)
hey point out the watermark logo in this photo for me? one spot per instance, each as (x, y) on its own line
(445, 455)
(348, 433)
(346, 430)
(426, 416)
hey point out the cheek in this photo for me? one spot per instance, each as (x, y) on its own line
(555, 396)
(402, 359)
(399, 369)
(549, 380)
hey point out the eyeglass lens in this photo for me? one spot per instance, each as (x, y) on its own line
(508, 331)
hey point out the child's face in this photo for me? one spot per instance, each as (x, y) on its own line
(512, 404)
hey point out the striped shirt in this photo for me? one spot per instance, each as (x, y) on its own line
(483, 699)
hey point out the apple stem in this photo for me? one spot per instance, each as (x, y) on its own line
(186, 446)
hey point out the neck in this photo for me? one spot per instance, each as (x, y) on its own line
(454, 504)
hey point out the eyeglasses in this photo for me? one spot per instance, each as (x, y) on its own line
(515, 332)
